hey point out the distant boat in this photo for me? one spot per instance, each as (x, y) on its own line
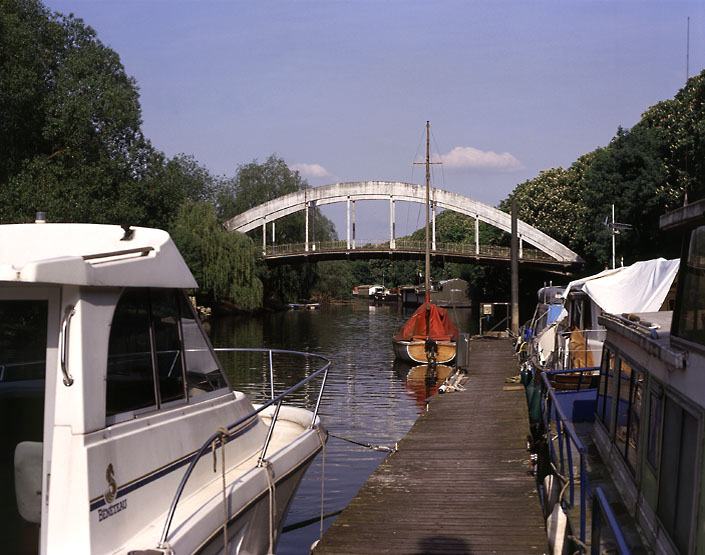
(429, 336)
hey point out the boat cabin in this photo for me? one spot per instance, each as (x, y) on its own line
(108, 387)
(643, 488)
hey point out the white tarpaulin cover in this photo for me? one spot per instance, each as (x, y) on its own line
(641, 287)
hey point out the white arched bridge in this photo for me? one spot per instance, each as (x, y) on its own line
(544, 251)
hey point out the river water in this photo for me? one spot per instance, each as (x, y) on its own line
(368, 398)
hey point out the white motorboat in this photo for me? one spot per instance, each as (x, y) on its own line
(121, 433)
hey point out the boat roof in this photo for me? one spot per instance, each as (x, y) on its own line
(91, 254)
(650, 330)
(641, 287)
(688, 216)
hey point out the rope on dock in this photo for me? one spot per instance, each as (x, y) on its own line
(368, 445)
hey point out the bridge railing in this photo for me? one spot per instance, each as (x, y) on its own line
(407, 245)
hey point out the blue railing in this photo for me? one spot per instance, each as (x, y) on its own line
(568, 443)
(567, 438)
(601, 509)
(216, 438)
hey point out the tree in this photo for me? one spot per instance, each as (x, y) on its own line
(256, 183)
(70, 137)
(223, 263)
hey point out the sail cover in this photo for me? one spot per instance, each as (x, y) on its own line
(641, 287)
(439, 325)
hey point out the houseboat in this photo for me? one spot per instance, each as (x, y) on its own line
(121, 432)
(623, 468)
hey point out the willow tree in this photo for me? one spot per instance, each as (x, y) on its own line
(223, 263)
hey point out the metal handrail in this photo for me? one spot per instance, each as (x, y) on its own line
(528, 253)
(217, 435)
(600, 507)
(565, 428)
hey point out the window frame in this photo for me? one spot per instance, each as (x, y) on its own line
(186, 399)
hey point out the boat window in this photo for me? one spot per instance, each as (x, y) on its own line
(689, 317)
(23, 343)
(652, 446)
(636, 397)
(155, 332)
(130, 383)
(604, 404)
(203, 372)
(624, 384)
(677, 477)
(165, 319)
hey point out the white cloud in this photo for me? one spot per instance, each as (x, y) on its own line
(310, 170)
(469, 158)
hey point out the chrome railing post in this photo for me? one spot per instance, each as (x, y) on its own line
(320, 396)
(271, 373)
(269, 434)
(214, 437)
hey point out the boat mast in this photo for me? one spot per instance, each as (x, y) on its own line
(427, 282)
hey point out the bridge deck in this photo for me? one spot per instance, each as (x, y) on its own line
(459, 482)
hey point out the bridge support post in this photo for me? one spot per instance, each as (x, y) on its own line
(273, 236)
(306, 241)
(392, 244)
(477, 234)
(264, 236)
(347, 229)
(353, 224)
(521, 246)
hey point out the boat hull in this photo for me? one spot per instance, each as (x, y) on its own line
(414, 352)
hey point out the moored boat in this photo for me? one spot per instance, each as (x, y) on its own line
(628, 472)
(428, 336)
(122, 434)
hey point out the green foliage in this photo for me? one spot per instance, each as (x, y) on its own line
(254, 184)
(70, 138)
(222, 262)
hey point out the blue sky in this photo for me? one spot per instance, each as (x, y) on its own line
(342, 89)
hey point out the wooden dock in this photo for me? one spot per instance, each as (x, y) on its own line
(459, 482)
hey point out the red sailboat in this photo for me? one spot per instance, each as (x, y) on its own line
(429, 336)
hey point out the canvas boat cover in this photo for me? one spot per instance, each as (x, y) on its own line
(440, 327)
(641, 287)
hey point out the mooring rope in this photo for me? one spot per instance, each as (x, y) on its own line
(323, 477)
(272, 503)
(368, 445)
(223, 436)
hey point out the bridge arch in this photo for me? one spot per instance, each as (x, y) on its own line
(350, 192)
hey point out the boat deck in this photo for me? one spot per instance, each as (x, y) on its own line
(460, 481)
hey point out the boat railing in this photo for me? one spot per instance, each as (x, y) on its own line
(568, 443)
(602, 510)
(216, 439)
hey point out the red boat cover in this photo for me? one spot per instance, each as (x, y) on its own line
(440, 327)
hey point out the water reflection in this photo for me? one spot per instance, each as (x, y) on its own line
(368, 398)
(422, 381)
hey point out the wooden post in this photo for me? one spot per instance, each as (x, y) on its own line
(515, 269)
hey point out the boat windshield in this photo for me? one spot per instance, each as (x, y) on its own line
(689, 314)
(23, 343)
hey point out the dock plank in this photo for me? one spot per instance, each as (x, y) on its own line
(459, 482)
